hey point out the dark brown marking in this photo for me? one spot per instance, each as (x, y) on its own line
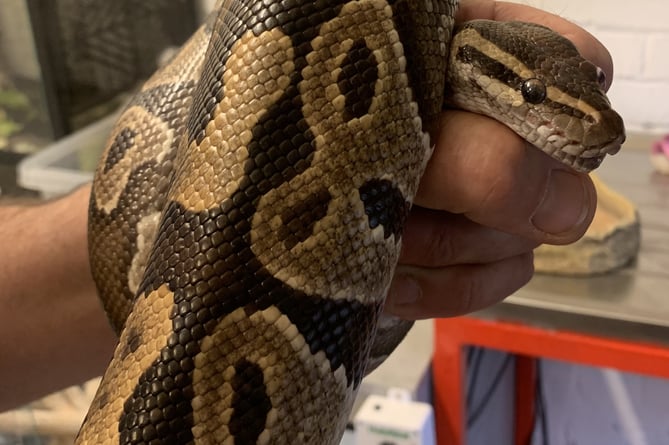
(385, 206)
(103, 399)
(123, 141)
(488, 66)
(565, 109)
(133, 343)
(357, 80)
(159, 406)
(299, 221)
(250, 403)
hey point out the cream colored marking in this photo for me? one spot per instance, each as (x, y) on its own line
(343, 258)
(502, 92)
(472, 37)
(256, 75)
(150, 317)
(153, 140)
(146, 234)
(308, 400)
(557, 95)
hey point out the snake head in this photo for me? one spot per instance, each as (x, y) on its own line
(534, 81)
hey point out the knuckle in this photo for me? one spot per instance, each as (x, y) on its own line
(442, 249)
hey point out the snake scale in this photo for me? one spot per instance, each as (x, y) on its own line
(246, 215)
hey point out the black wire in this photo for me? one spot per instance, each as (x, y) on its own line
(476, 413)
(474, 359)
(541, 405)
(470, 353)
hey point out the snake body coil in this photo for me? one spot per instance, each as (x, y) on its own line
(246, 216)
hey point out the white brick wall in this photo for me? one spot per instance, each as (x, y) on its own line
(637, 35)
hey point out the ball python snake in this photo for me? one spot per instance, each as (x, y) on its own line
(246, 216)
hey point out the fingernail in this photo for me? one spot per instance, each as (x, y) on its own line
(565, 203)
(404, 290)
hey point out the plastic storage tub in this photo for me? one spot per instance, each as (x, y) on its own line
(68, 163)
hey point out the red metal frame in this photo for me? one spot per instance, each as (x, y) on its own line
(527, 342)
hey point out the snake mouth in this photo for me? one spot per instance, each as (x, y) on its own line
(588, 158)
(593, 156)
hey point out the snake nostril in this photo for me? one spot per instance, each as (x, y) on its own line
(601, 78)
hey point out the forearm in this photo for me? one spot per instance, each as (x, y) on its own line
(53, 332)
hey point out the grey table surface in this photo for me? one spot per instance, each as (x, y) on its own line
(631, 303)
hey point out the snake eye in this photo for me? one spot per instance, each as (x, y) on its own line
(533, 90)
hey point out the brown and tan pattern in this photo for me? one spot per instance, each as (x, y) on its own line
(132, 181)
(256, 74)
(378, 129)
(294, 396)
(135, 352)
(246, 216)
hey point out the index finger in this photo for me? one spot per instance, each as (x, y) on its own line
(589, 47)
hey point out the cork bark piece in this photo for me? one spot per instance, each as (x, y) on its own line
(612, 241)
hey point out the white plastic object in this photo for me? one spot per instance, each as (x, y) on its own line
(393, 421)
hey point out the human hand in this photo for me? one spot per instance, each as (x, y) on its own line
(487, 199)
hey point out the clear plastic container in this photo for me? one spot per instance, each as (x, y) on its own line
(61, 167)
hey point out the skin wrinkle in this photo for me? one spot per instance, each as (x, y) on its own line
(449, 243)
(442, 246)
(506, 187)
(473, 294)
(502, 185)
(587, 212)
